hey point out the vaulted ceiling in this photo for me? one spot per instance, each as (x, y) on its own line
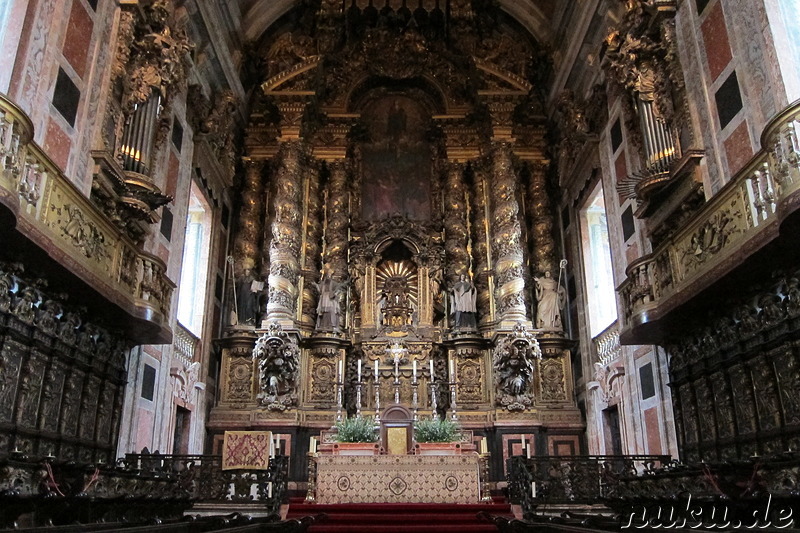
(537, 16)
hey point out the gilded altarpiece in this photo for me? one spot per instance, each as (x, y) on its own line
(394, 254)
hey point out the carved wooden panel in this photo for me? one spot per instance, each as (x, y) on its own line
(323, 380)
(71, 402)
(89, 408)
(552, 380)
(10, 364)
(52, 391)
(744, 401)
(470, 382)
(240, 379)
(788, 373)
(30, 385)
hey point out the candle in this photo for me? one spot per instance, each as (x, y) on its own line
(452, 371)
(432, 377)
(528, 450)
(359, 370)
(533, 488)
(376, 370)
(313, 446)
(339, 373)
(277, 445)
(415, 370)
(484, 446)
(396, 369)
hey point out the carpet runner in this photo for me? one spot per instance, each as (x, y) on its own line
(400, 517)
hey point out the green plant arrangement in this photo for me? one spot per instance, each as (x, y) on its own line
(439, 430)
(356, 429)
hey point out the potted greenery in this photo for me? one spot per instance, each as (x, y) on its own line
(356, 436)
(437, 437)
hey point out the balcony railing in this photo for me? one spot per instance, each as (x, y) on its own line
(606, 345)
(57, 217)
(745, 214)
(184, 343)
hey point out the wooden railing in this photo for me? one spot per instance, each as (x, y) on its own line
(745, 214)
(579, 479)
(138, 487)
(56, 216)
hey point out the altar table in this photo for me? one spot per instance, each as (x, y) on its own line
(398, 479)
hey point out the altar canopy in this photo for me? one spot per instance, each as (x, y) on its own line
(398, 479)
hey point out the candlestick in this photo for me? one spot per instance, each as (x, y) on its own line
(452, 372)
(358, 398)
(340, 371)
(432, 377)
(359, 370)
(414, 365)
(377, 397)
(434, 413)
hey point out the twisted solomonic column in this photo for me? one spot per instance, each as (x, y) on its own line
(455, 224)
(481, 251)
(285, 248)
(312, 240)
(506, 244)
(541, 221)
(245, 245)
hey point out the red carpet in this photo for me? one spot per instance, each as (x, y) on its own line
(400, 517)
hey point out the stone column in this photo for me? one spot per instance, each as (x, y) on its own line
(285, 248)
(506, 243)
(251, 215)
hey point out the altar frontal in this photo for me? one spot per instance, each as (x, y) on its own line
(398, 479)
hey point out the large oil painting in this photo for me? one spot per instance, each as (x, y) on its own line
(396, 163)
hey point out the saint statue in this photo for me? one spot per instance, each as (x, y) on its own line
(248, 289)
(328, 306)
(463, 297)
(550, 299)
